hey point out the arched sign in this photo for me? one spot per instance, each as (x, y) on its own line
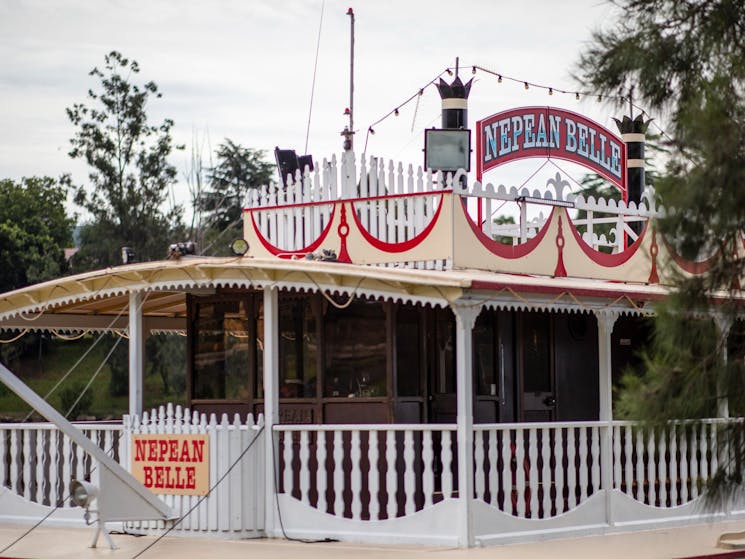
(552, 133)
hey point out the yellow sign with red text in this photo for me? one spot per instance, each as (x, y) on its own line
(172, 464)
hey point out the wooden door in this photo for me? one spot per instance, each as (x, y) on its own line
(536, 367)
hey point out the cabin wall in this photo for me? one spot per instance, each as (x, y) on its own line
(370, 361)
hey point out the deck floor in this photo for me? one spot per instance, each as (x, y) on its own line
(59, 543)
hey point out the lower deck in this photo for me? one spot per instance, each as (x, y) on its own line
(363, 360)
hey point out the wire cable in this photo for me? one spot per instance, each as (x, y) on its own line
(201, 500)
(315, 68)
(279, 512)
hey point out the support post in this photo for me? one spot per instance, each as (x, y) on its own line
(723, 324)
(136, 354)
(271, 403)
(466, 313)
(606, 322)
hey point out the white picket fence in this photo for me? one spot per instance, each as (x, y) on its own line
(367, 472)
(395, 203)
(396, 480)
(537, 470)
(666, 468)
(235, 506)
(37, 461)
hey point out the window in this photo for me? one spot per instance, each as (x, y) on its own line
(484, 334)
(221, 350)
(355, 356)
(408, 351)
(298, 346)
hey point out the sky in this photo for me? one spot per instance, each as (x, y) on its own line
(244, 70)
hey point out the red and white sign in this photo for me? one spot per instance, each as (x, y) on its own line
(552, 133)
(172, 464)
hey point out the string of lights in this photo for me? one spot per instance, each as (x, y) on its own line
(527, 84)
(397, 109)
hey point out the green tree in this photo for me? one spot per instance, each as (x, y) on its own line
(34, 231)
(237, 170)
(686, 59)
(129, 177)
(129, 173)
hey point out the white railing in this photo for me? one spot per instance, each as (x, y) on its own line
(599, 213)
(37, 460)
(367, 472)
(234, 506)
(666, 467)
(394, 203)
(537, 470)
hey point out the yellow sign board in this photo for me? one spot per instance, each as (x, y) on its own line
(172, 464)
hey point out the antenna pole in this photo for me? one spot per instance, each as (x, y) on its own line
(350, 13)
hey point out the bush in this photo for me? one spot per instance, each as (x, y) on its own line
(68, 396)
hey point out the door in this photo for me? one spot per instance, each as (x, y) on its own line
(536, 367)
(443, 405)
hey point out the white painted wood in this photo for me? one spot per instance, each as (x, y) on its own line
(583, 469)
(640, 465)
(559, 469)
(373, 477)
(596, 458)
(694, 469)
(428, 481)
(651, 472)
(27, 465)
(321, 472)
(466, 313)
(713, 449)
(213, 510)
(673, 468)
(356, 474)
(684, 478)
(40, 477)
(447, 464)
(520, 462)
(271, 403)
(628, 462)
(662, 468)
(137, 337)
(545, 451)
(572, 468)
(66, 466)
(391, 479)
(338, 475)
(617, 476)
(287, 468)
(493, 476)
(533, 475)
(478, 456)
(304, 468)
(409, 476)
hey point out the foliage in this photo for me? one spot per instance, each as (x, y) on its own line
(504, 220)
(237, 170)
(68, 397)
(129, 170)
(166, 356)
(686, 59)
(34, 231)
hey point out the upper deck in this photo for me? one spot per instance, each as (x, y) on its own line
(380, 213)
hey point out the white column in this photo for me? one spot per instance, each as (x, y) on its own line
(723, 324)
(606, 322)
(136, 353)
(465, 318)
(271, 403)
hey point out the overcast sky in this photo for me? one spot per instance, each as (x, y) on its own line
(243, 69)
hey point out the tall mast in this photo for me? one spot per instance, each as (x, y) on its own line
(349, 131)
